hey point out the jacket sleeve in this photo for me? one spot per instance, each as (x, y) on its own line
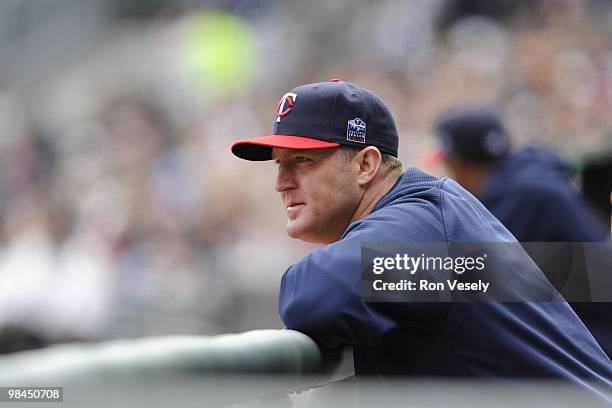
(320, 296)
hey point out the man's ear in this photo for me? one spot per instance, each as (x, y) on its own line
(369, 161)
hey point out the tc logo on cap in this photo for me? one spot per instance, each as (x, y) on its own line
(356, 131)
(285, 105)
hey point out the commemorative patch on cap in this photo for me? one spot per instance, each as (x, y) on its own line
(356, 131)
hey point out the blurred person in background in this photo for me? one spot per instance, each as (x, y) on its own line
(528, 190)
(167, 280)
(48, 282)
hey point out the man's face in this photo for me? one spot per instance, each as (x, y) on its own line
(320, 192)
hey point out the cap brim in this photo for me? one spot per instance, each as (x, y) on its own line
(260, 148)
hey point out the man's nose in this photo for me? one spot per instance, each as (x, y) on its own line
(285, 180)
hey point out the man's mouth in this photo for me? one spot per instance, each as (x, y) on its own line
(292, 206)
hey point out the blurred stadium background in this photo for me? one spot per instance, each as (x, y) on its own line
(122, 211)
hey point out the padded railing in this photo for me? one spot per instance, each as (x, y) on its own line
(260, 351)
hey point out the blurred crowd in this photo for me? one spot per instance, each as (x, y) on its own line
(122, 212)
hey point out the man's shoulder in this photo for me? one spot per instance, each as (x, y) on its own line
(466, 218)
(424, 208)
(411, 220)
(414, 183)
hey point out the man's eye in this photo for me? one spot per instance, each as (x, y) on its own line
(301, 159)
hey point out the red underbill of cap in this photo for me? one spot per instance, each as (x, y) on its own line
(260, 148)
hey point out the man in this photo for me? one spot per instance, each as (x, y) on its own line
(529, 191)
(336, 147)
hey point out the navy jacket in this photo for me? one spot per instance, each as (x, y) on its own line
(530, 193)
(320, 296)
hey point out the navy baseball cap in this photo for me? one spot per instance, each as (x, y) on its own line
(474, 134)
(322, 116)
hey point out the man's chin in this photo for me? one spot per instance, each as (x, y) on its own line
(297, 231)
(305, 236)
(294, 231)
